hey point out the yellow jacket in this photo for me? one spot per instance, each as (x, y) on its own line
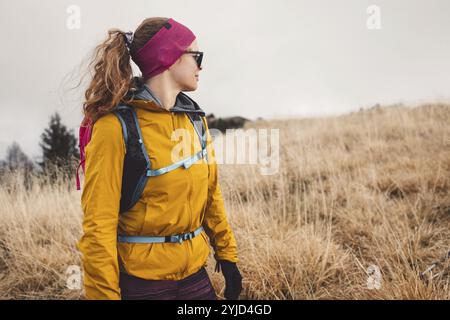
(176, 202)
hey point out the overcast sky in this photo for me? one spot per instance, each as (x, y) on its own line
(262, 58)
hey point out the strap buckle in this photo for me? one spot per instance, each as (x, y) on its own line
(185, 236)
(182, 237)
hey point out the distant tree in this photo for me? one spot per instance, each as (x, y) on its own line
(59, 148)
(2, 170)
(17, 160)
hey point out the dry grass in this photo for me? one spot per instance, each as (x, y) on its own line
(368, 188)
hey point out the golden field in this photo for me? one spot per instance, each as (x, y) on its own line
(352, 191)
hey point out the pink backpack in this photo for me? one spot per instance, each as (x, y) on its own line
(84, 136)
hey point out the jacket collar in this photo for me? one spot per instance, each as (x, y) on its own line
(183, 102)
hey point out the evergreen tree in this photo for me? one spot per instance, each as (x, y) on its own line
(59, 148)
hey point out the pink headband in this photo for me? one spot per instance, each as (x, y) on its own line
(163, 49)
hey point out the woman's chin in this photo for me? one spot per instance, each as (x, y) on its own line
(191, 87)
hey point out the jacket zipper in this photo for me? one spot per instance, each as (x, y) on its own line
(190, 216)
(190, 196)
(172, 114)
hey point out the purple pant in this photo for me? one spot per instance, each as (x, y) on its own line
(194, 287)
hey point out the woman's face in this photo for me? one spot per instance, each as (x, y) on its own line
(185, 71)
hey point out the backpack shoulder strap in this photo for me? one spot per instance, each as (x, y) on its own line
(121, 115)
(131, 130)
(199, 126)
(136, 161)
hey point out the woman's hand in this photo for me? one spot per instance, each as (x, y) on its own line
(233, 279)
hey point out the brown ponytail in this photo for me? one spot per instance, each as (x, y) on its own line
(112, 74)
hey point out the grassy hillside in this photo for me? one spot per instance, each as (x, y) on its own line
(368, 188)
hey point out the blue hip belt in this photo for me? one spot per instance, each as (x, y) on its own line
(179, 238)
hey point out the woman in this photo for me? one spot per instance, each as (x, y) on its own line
(184, 200)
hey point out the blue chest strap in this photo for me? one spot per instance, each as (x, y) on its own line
(187, 162)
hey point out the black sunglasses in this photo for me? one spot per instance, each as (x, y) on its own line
(198, 56)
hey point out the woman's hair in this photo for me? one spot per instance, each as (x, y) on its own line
(112, 75)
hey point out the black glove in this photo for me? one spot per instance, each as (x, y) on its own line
(233, 278)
